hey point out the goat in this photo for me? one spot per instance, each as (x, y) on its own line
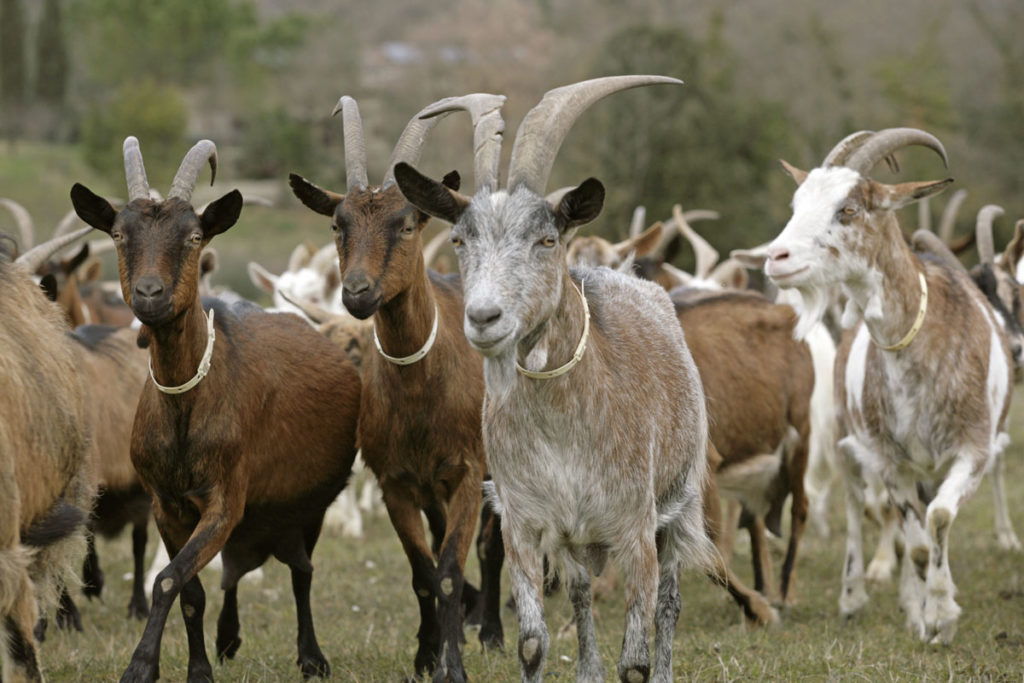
(924, 386)
(419, 431)
(242, 456)
(311, 277)
(45, 487)
(581, 472)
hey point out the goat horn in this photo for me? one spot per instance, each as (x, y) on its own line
(926, 241)
(636, 225)
(185, 179)
(24, 221)
(983, 230)
(700, 215)
(883, 143)
(355, 142)
(317, 314)
(36, 256)
(707, 256)
(948, 220)
(488, 127)
(247, 200)
(134, 170)
(924, 214)
(845, 147)
(433, 247)
(544, 129)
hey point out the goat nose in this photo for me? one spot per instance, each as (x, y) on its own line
(357, 285)
(149, 287)
(482, 316)
(778, 254)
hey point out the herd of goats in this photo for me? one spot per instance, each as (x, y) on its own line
(545, 394)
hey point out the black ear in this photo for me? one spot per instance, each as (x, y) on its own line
(321, 201)
(93, 209)
(452, 180)
(580, 205)
(71, 265)
(221, 214)
(429, 196)
(49, 286)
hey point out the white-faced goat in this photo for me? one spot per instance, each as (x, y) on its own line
(924, 386)
(242, 456)
(45, 488)
(593, 416)
(419, 429)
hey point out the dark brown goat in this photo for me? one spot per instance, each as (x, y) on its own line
(45, 488)
(754, 400)
(244, 459)
(420, 424)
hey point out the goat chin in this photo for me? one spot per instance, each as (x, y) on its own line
(814, 301)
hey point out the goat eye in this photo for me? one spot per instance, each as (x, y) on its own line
(548, 241)
(407, 230)
(456, 241)
(848, 211)
(116, 235)
(195, 238)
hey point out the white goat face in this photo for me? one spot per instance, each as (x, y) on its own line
(511, 253)
(823, 243)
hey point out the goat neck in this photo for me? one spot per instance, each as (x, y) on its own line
(177, 346)
(554, 341)
(404, 322)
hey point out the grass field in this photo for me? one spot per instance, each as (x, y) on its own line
(367, 618)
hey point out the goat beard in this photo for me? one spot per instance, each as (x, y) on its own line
(810, 305)
(500, 375)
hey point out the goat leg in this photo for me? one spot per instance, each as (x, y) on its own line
(138, 606)
(491, 554)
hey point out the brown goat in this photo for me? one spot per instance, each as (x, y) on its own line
(420, 424)
(45, 488)
(245, 456)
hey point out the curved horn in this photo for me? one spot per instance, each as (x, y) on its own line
(636, 225)
(185, 179)
(983, 230)
(36, 256)
(355, 142)
(485, 112)
(700, 215)
(948, 220)
(544, 129)
(927, 242)
(883, 143)
(707, 255)
(431, 249)
(317, 314)
(24, 221)
(134, 170)
(845, 147)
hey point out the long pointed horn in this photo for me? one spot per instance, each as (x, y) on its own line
(885, 142)
(185, 179)
(948, 220)
(36, 256)
(542, 132)
(315, 313)
(355, 143)
(488, 128)
(707, 255)
(134, 170)
(24, 221)
(983, 230)
(924, 214)
(845, 147)
(636, 225)
(927, 242)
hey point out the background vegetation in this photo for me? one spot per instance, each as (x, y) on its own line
(777, 78)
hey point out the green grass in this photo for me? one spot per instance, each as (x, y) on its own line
(367, 618)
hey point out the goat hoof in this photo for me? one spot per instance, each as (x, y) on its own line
(314, 665)
(69, 618)
(227, 647)
(200, 673)
(492, 637)
(139, 671)
(138, 609)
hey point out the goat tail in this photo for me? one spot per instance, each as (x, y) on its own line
(60, 521)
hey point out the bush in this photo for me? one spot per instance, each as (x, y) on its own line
(154, 113)
(274, 143)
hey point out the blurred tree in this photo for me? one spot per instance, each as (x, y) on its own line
(275, 143)
(12, 65)
(52, 60)
(704, 145)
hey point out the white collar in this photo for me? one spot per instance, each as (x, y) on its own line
(580, 348)
(409, 360)
(204, 364)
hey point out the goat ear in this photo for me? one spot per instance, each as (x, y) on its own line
(452, 180)
(93, 209)
(429, 196)
(750, 258)
(261, 277)
(221, 214)
(207, 262)
(580, 205)
(641, 245)
(319, 200)
(795, 173)
(892, 197)
(71, 265)
(49, 286)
